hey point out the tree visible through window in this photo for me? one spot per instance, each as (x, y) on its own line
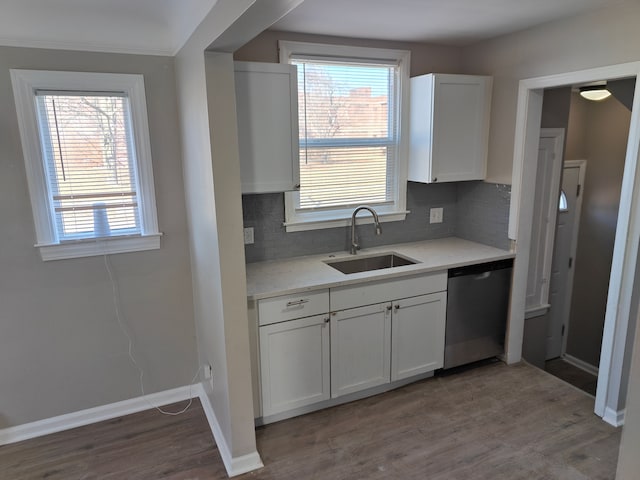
(87, 154)
(348, 140)
(88, 160)
(353, 151)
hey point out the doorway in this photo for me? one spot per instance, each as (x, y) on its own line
(614, 355)
(597, 131)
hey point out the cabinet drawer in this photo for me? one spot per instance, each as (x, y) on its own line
(387, 290)
(288, 307)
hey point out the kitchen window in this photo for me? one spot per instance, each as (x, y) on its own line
(352, 105)
(86, 147)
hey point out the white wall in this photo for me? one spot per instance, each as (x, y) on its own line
(424, 58)
(605, 37)
(629, 460)
(61, 349)
(211, 191)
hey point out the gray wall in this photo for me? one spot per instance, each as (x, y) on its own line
(606, 129)
(483, 213)
(424, 58)
(266, 214)
(556, 104)
(60, 346)
(475, 211)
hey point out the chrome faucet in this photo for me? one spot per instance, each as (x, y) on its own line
(354, 241)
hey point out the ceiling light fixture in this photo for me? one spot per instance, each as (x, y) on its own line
(595, 92)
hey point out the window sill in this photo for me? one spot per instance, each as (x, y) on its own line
(302, 226)
(94, 247)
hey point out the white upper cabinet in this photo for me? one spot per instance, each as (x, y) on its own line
(449, 127)
(267, 106)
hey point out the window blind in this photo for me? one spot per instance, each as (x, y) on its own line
(89, 163)
(348, 132)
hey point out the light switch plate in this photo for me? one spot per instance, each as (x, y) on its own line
(248, 235)
(436, 215)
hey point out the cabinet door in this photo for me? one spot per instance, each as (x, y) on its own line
(449, 128)
(461, 107)
(294, 358)
(267, 109)
(418, 327)
(360, 348)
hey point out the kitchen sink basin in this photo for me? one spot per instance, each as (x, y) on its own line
(365, 264)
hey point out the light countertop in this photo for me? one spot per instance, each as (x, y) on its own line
(300, 274)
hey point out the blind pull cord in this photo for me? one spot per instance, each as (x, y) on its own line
(55, 119)
(306, 124)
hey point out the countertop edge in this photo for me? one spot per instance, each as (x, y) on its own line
(375, 275)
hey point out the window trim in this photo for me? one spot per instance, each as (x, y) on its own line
(25, 83)
(339, 217)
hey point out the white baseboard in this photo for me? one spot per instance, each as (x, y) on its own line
(614, 417)
(94, 415)
(234, 465)
(581, 364)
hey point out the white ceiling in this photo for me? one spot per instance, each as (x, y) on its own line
(162, 26)
(129, 26)
(447, 22)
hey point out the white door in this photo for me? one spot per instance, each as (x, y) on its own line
(294, 362)
(544, 217)
(360, 348)
(563, 258)
(417, 335)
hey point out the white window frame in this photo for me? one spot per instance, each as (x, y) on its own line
(339, 217)
(25, 83)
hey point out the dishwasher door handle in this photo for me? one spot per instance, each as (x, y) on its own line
(482, 276)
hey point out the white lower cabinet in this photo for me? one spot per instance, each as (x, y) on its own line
(417, 335)
(294, 363)
(360, 348)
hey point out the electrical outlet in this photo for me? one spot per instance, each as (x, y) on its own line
(248, 235)
(208, 375)
(436, 215)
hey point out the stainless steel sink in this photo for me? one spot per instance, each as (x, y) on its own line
(365, 264)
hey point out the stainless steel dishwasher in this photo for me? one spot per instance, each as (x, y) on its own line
(477, 308)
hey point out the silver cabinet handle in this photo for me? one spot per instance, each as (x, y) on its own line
(397, 307)
(295, 303)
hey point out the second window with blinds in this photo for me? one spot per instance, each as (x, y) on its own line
(353, 103)
(87, 152)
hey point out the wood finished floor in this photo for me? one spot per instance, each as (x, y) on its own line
(573, 375)
(494, 422)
